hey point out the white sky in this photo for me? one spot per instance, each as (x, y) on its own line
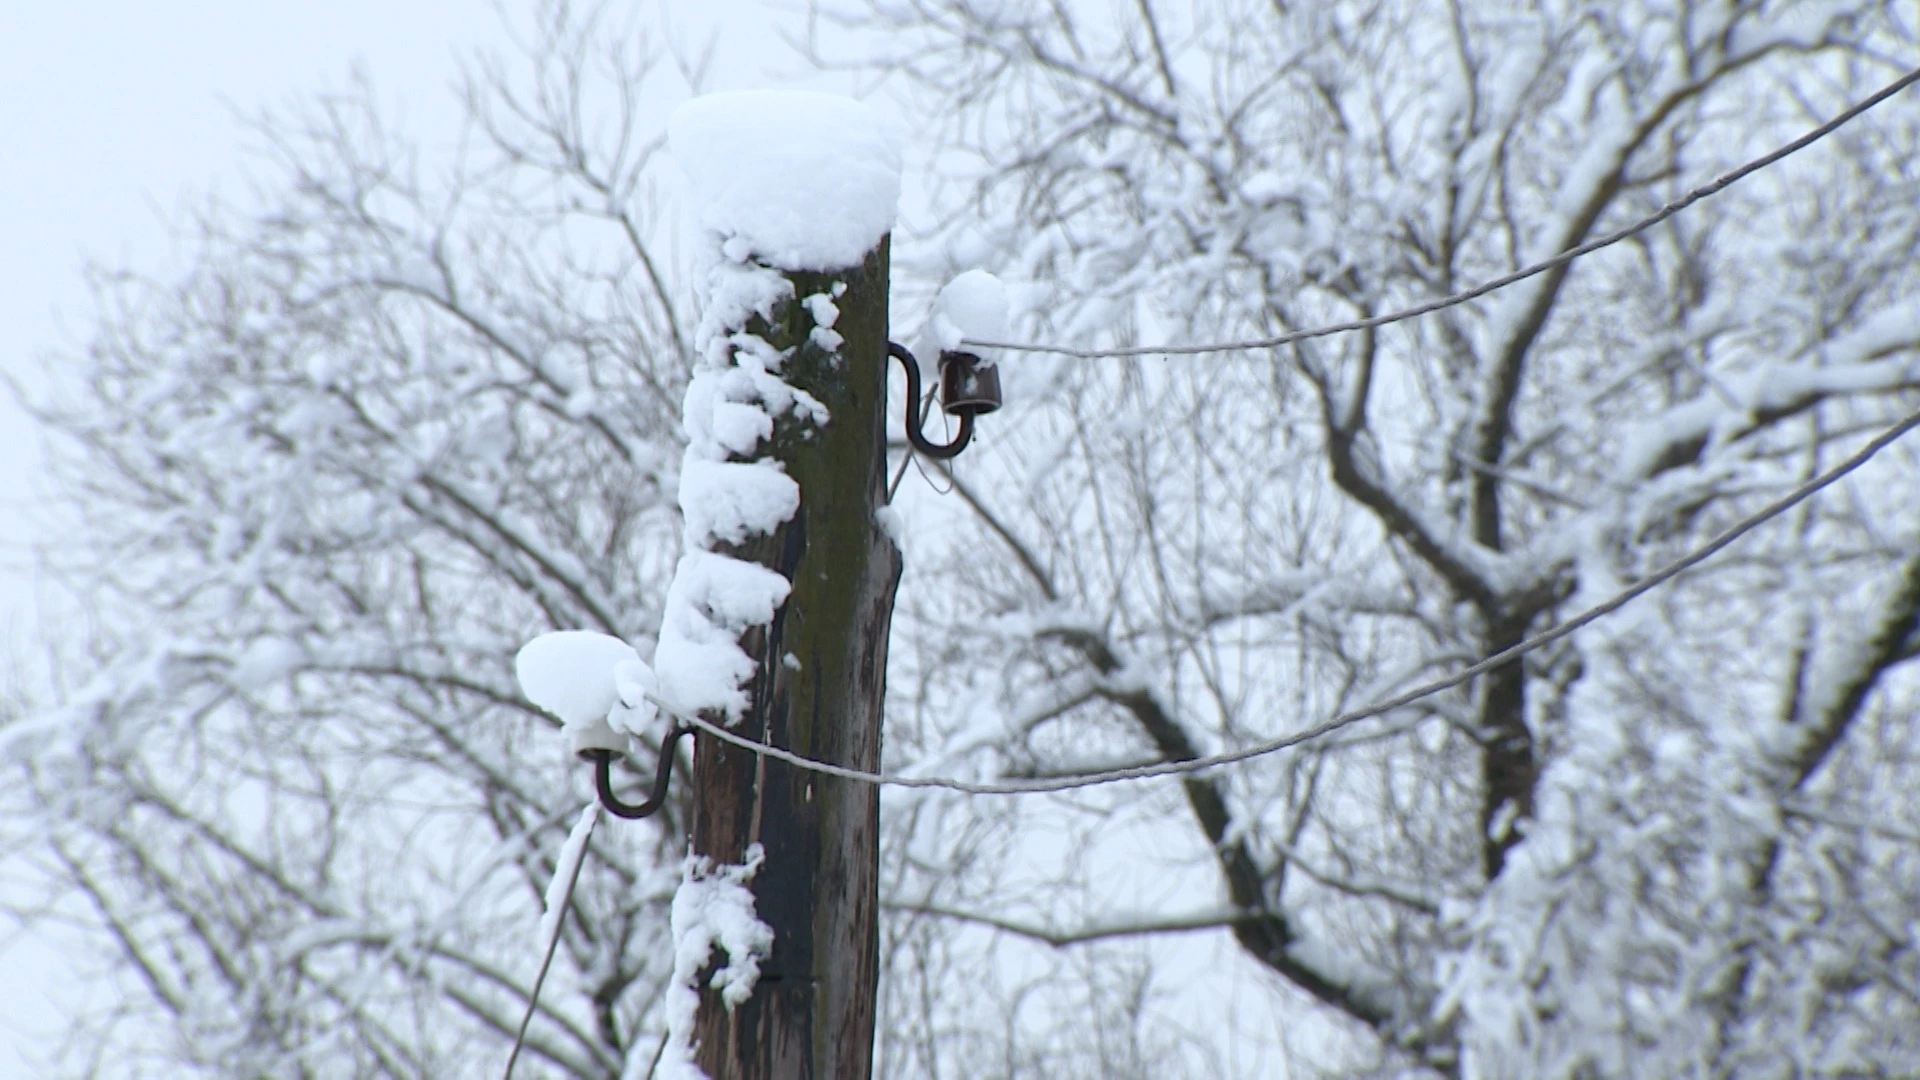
(114, 115)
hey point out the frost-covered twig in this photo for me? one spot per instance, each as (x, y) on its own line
(1710, 188)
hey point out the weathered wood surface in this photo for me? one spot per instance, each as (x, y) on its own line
(818, 690)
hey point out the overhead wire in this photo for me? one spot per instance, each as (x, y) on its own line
(1354, 716)
(553, 943)
(1706, 190)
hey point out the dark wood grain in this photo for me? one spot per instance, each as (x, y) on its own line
(812, 1012)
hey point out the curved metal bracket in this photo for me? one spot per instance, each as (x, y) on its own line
(603, 779)
(914, 434)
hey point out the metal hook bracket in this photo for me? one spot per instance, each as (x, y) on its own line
(968, 388)
(663, 776)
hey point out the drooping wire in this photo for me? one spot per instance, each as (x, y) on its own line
(1345, 719)
(553, 943)
(1706, 190)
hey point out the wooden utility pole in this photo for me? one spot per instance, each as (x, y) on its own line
(818, 689)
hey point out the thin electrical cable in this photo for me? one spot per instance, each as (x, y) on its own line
(553, 943)
(910, 457)
(1712, 187)
(1346, 719)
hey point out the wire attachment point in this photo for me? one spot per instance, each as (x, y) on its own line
(968, 388)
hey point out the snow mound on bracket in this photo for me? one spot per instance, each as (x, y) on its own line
(569, 673)
(595, 683)
(971, 307)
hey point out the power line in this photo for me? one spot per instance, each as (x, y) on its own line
(1328, 727)
(1712, 187)
(590, 819)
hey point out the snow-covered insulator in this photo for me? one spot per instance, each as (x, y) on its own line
(603, 693)
(968, 385)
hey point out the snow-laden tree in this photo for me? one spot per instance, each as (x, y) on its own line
(420, 409)
(1676, 844)
(425, 406)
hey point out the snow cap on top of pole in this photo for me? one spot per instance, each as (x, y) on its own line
(795, 180)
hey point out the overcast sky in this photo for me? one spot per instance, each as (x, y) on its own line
(115, 115)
